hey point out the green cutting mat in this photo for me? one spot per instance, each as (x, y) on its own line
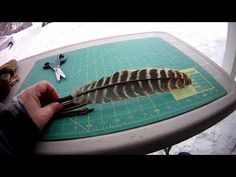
(92, 63)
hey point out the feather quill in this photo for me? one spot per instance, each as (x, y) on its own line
(130, 83)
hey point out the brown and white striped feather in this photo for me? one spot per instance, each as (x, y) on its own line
(130, 83)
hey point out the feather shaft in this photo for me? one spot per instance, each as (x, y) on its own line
(130, 83)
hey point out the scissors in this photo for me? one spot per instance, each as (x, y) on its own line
(56, 66)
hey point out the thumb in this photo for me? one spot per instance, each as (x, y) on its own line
(52, 108)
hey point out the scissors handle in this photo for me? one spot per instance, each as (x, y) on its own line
(61, 59)
(48, 65)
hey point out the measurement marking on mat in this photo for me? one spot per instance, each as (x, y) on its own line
(79, 125)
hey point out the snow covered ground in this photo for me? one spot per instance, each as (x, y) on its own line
(209, 38)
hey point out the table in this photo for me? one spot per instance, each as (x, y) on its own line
(151, 137)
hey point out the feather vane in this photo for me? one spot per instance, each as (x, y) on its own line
(130, 83)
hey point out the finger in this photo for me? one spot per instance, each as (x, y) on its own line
(51, 91)
(47, 90)
(46, 113)
(51, 109)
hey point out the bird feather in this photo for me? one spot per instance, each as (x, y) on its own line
(126, 84)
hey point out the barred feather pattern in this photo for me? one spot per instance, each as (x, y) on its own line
(130, 83)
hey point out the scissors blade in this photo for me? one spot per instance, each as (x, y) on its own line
(61, 73)
(57, 75)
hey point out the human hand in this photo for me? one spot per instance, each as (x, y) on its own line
(40, 103)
